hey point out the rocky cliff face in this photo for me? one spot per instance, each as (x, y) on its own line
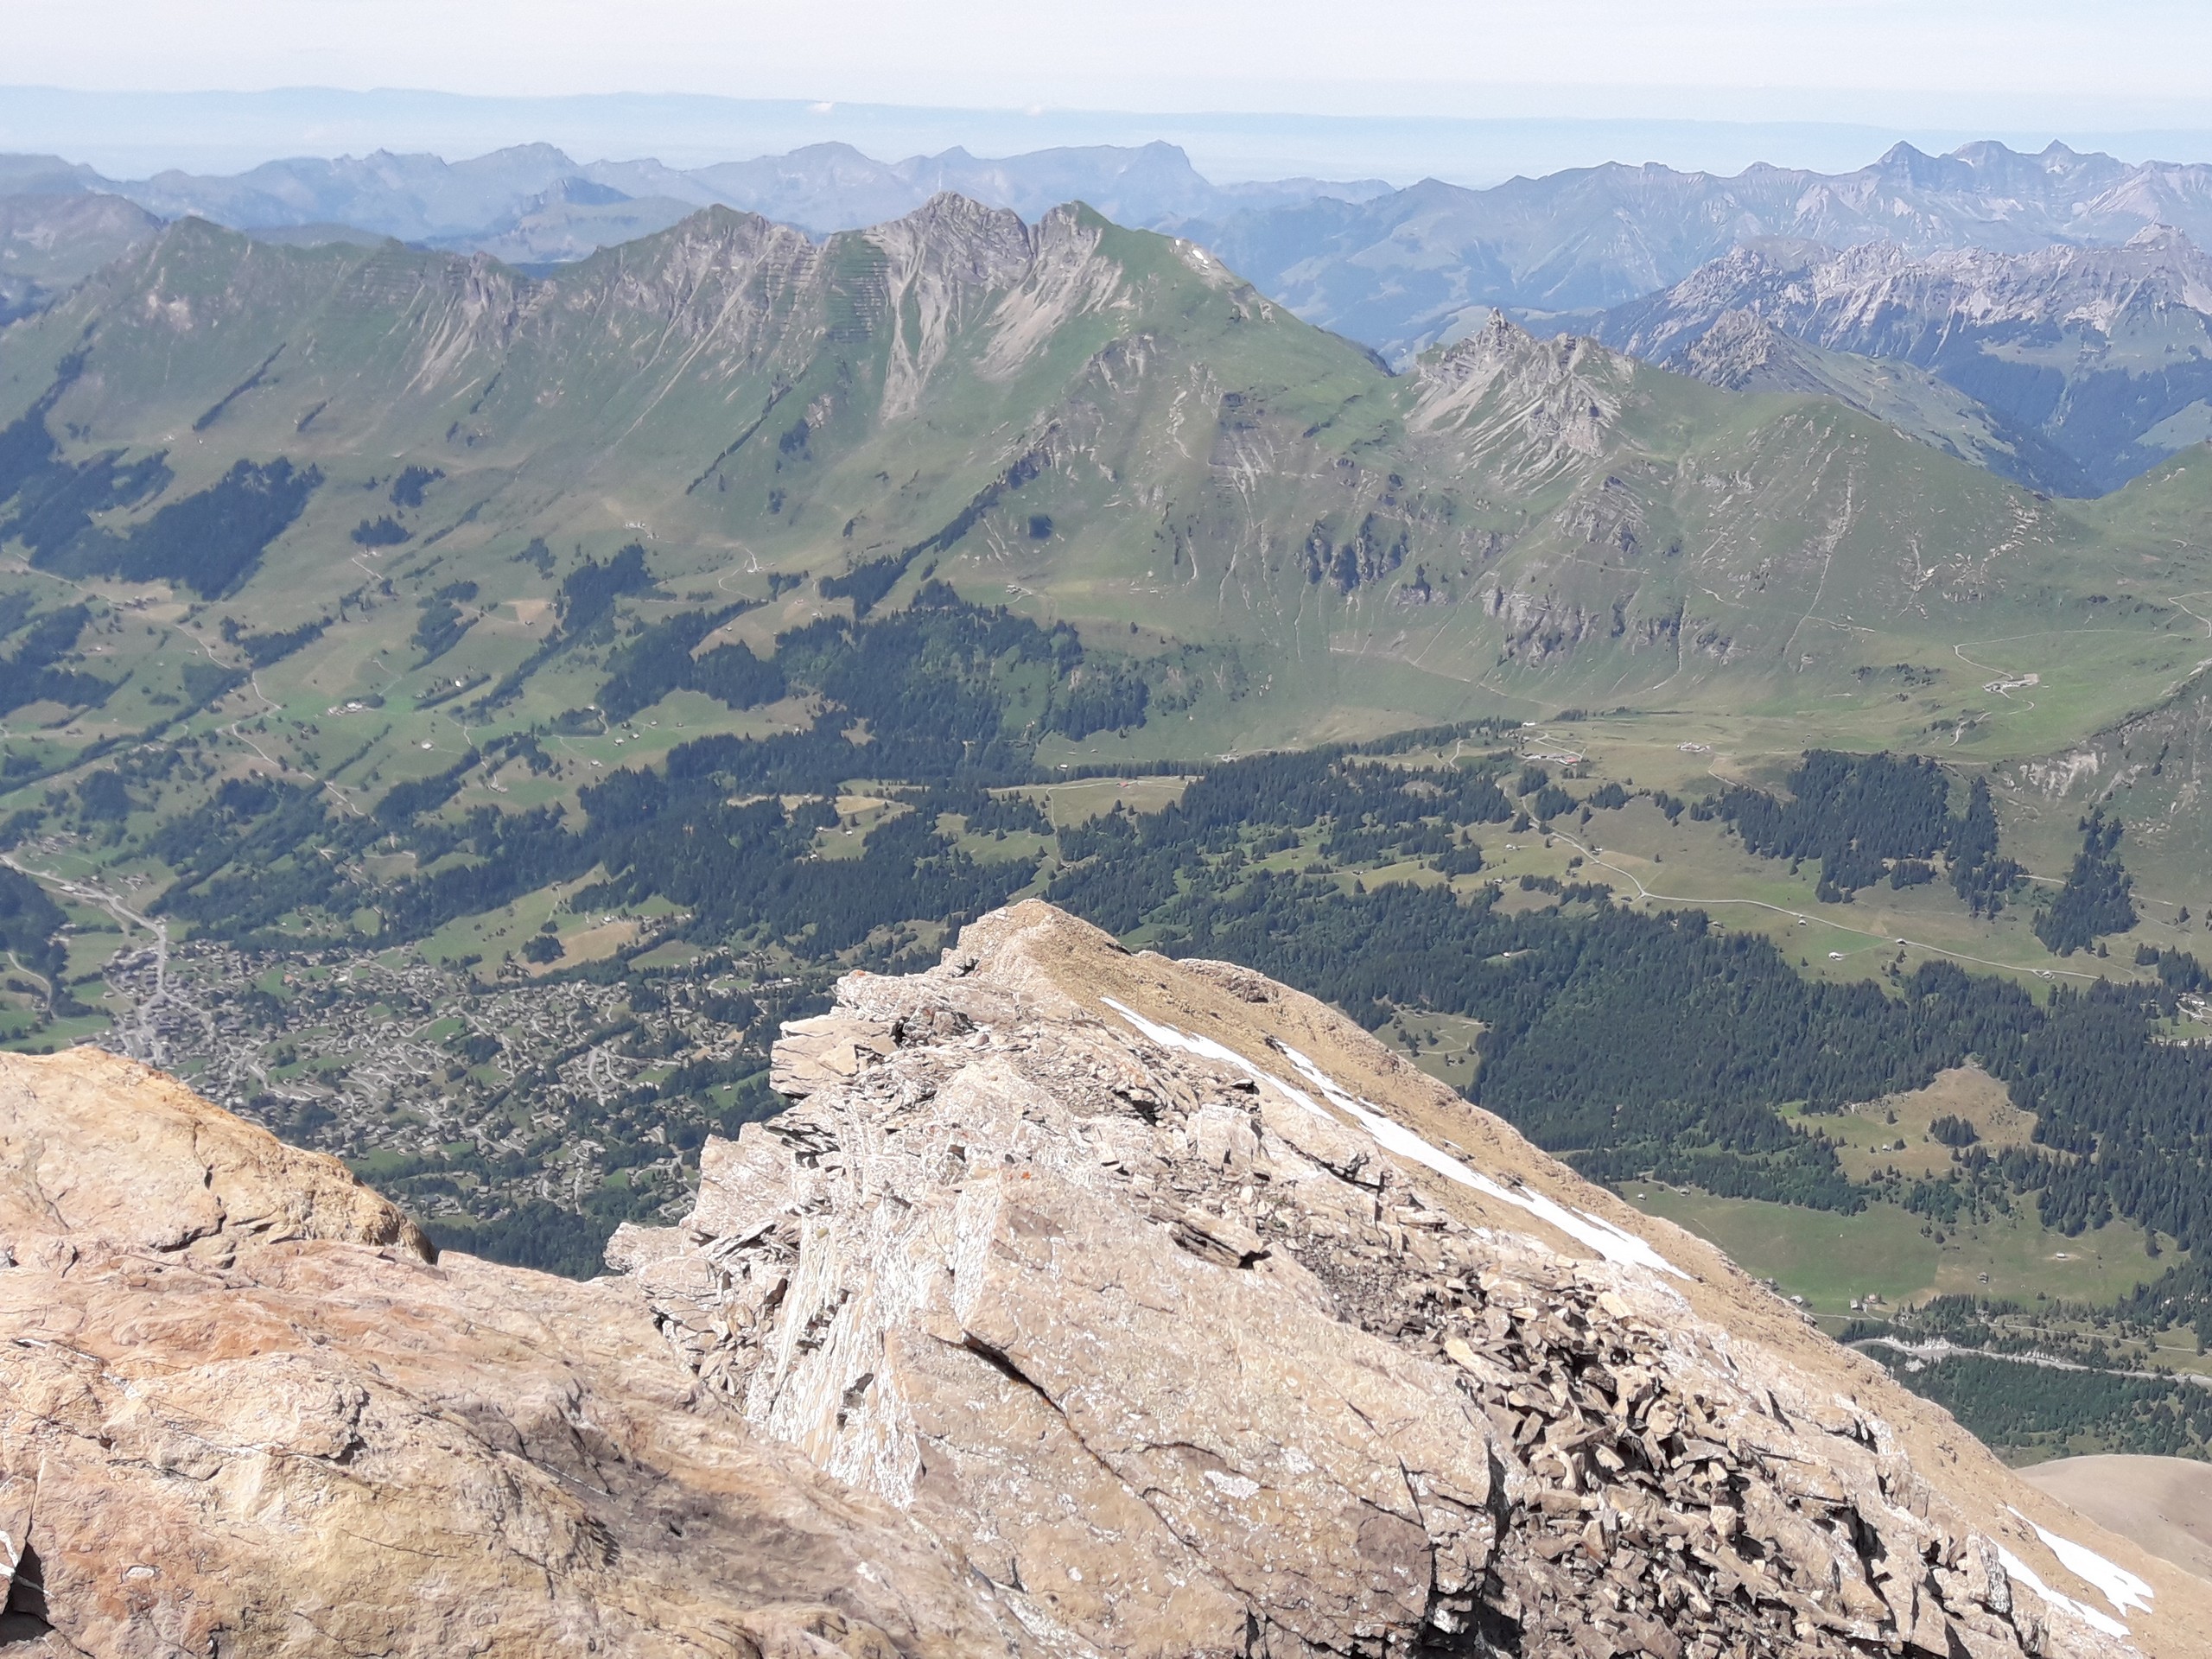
(1884, 299)
(1084, 1304)
(242, 1413)
(2098, 352)
(1199, 1325)
(1529, 409)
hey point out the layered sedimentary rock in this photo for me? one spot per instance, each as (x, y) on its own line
(242, 1413)
(1200, 1324)
(1082, 1304)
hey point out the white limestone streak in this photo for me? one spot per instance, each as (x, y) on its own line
(1191, 1043)
(1614, 1243)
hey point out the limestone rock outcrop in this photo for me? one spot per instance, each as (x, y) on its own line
(95, 1145)
(1082, 1304)
(242, 1413)
(1198, 1324)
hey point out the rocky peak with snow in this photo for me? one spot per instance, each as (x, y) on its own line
(1200, 1324)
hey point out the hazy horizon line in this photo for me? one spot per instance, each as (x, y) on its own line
(134, 135)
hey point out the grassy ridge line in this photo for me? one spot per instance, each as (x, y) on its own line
(1662, 437)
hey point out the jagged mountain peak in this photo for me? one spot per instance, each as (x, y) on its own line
(949, 231)
(1537, 407)
(1740, 347)
(949, 222)
(2161, 239)
(1501, 345)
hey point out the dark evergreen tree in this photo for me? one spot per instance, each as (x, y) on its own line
(1854, 813)
(2098, 897)
(1978, 874)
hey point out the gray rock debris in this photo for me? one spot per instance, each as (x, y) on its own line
(1183, 1369)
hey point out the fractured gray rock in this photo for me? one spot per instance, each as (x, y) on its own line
(1145, 1315)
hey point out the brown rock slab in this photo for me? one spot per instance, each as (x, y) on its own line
(312, 1441)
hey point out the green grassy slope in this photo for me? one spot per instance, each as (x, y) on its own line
(1087, 425)
(1517, 526)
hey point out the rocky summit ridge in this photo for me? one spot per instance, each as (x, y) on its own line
(1082, 1303)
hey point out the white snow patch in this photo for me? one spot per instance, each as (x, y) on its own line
(1614, 1243)
(2117, 1584)
(1168, 1037)
(2016, 1568)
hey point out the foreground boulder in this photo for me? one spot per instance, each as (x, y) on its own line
(242, 1412)
(1084, 1304)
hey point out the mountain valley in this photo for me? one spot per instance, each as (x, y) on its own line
(456, 716)
(2092, 359)
(1207, 832)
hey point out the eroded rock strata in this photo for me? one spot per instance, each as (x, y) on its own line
(241, 1413)
(1082, 1304)
(1201, 1325)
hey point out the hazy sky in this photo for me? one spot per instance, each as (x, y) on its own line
(2012, 62)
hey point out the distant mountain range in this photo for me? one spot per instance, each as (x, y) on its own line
(1401, 272)
(2044, 315)
(533, 205)
(1396, 269)
(2092, 364)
